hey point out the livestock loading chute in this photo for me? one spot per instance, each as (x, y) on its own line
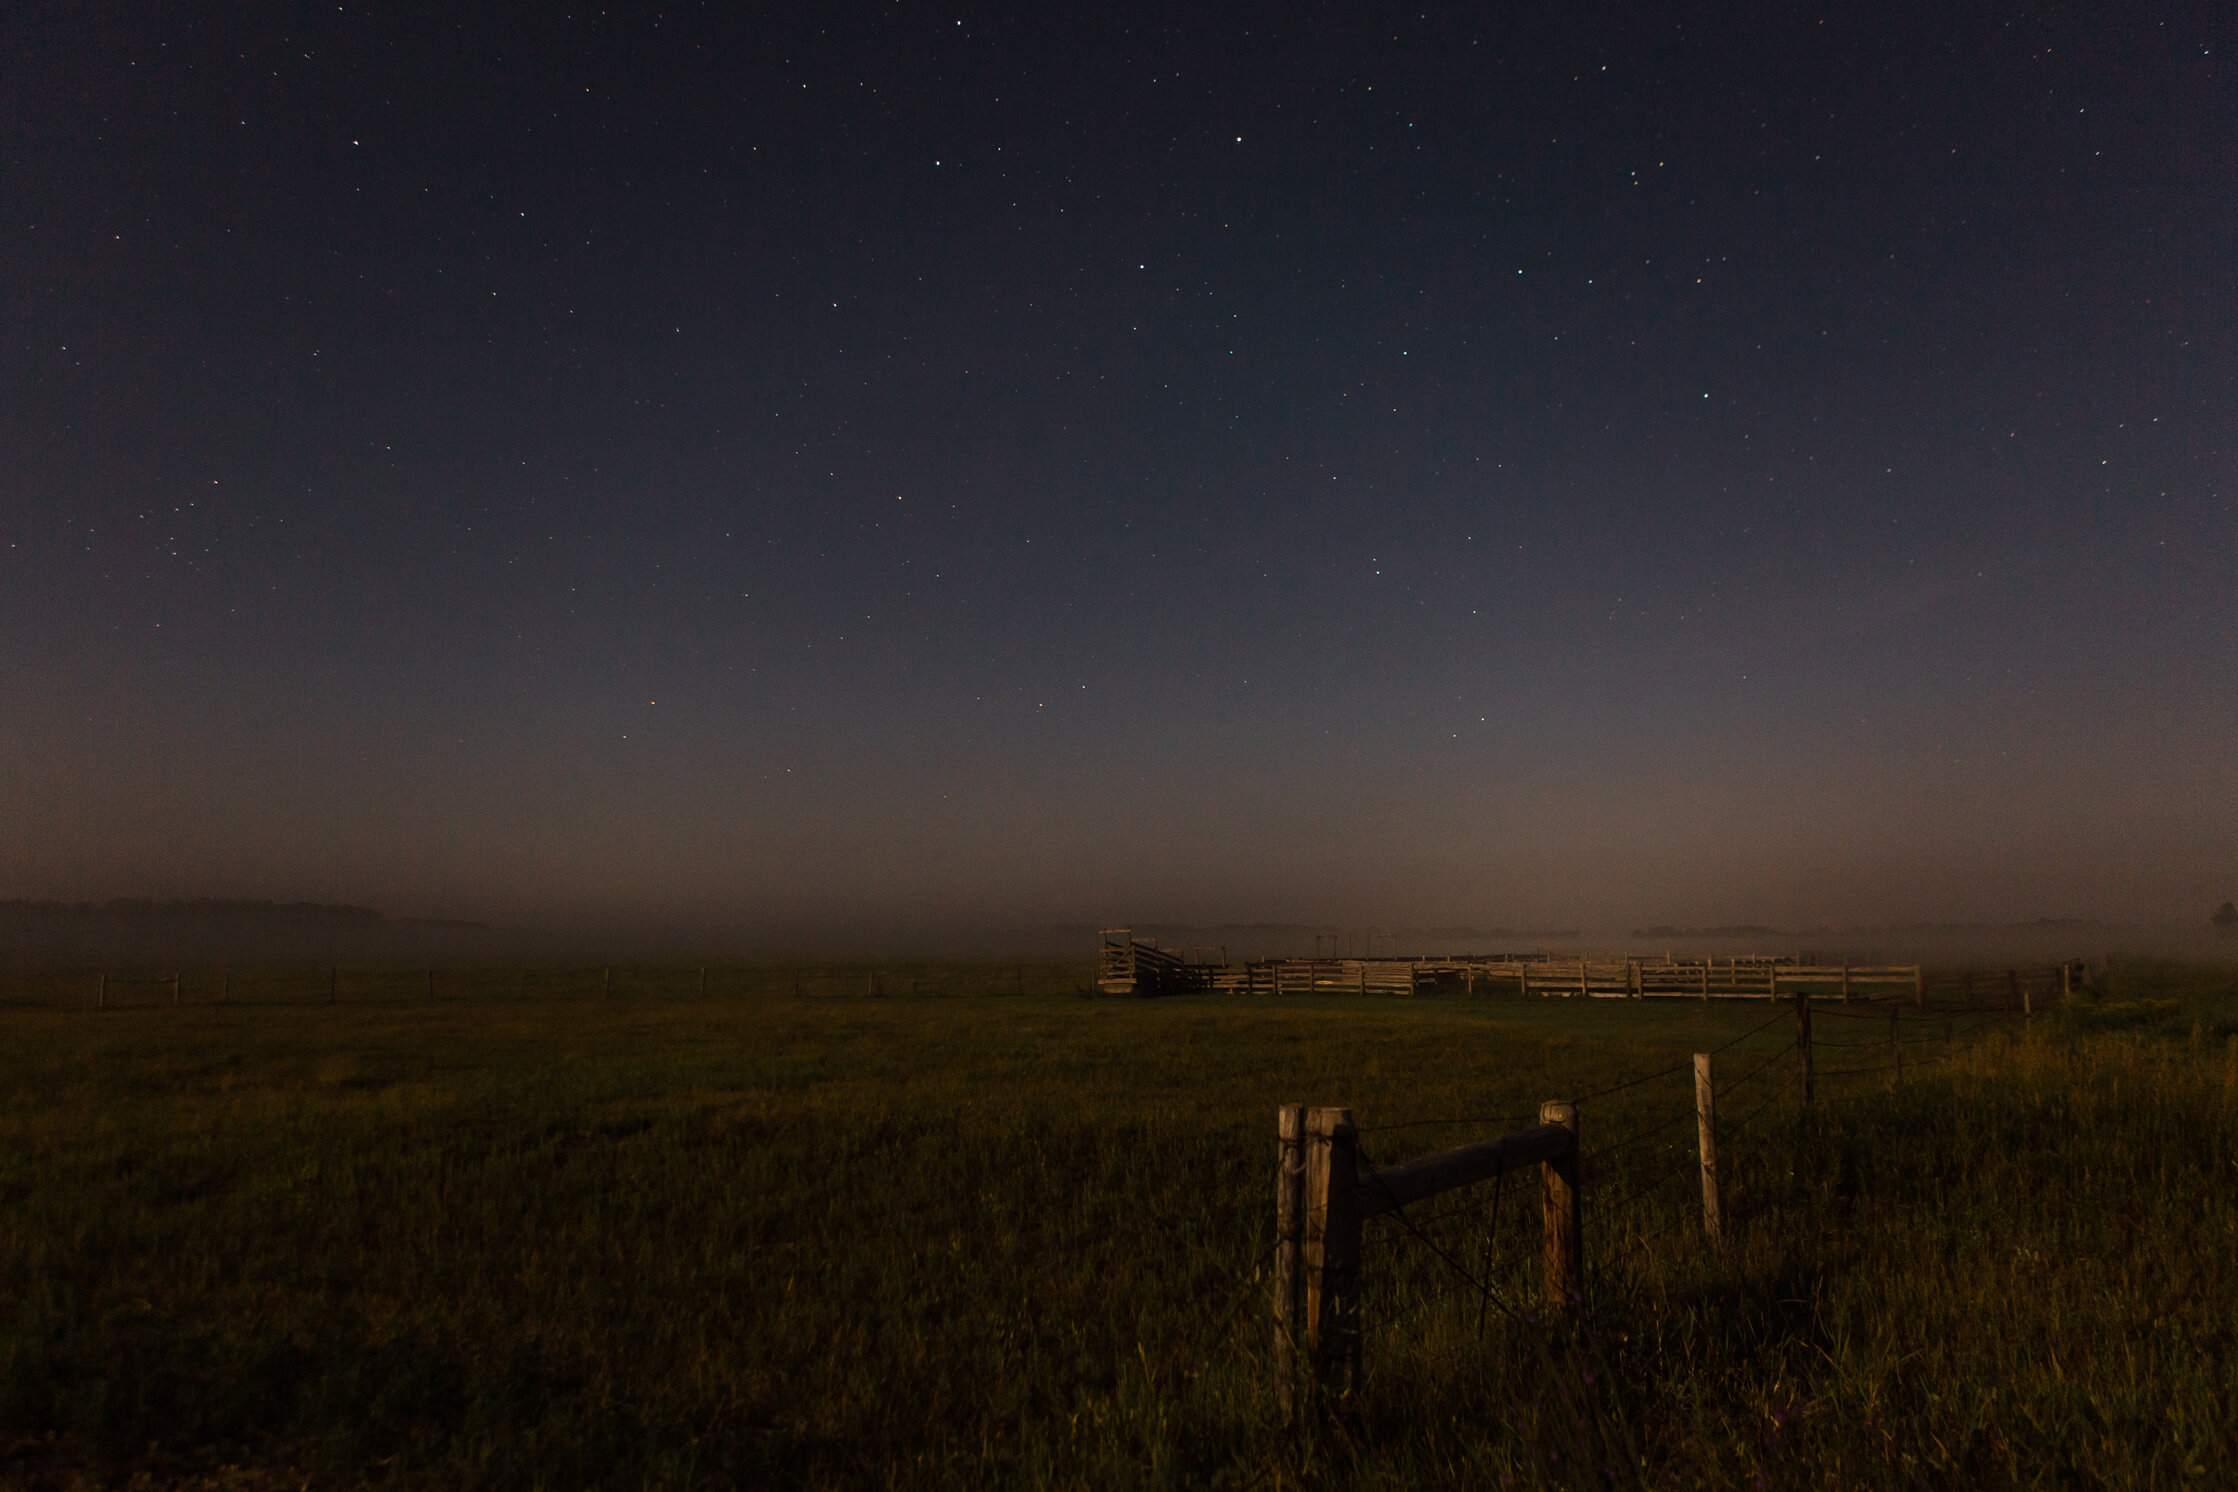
(1128, 965)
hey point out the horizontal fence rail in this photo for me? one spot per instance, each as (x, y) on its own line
(1428, 1176)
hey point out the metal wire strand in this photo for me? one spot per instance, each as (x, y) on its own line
(1680, 1067)
(1398, 1210)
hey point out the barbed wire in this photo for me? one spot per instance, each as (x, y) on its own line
(1750, 1076)
(1679, 1067)
(1614, 1146)
(1792, 1079)
(1398, 1211)
(1640, 1189)
(1383, 1129)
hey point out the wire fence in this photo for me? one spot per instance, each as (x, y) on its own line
(1627, 1179)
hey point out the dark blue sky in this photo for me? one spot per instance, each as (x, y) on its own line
(888, 465)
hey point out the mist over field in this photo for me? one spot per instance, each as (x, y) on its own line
(33, 933)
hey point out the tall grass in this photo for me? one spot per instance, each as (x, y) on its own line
(524, 1235)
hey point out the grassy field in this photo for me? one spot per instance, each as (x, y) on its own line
(533, 1232)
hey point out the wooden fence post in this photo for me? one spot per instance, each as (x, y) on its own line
(1845, 984)
(1560, 1217)
(1289, 1220)
(101, 997)
(1332, 1249)
(1919, 985)
(1705, 979)
(174, 989)
(605, 982)
(1803, 1041)
(1705, 1129)
(703, 981)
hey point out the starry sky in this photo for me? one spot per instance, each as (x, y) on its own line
(898, 466)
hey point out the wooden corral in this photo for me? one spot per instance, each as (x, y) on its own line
(1127, 965)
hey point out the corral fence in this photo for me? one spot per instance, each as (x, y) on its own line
(1328, 1191)
(1131, 965)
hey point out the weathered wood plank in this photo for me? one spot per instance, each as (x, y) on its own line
(1426, 1176)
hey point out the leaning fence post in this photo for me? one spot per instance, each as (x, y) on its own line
(1705, 1129)
(1559, 1214)
(1332, 1249)
(1289, 1220)
(1803, 1041)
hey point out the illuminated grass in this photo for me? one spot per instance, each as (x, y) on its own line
(523, 1235)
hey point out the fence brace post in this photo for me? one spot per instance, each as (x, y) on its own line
(1803, 1042)
(1560, 1217)
(1332, 1250)
(1289, 1219)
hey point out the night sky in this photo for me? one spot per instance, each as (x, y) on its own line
(896, 466)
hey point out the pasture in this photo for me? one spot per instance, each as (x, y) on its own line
(546, 1229)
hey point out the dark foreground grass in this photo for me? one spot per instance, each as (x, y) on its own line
(525, 1235)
